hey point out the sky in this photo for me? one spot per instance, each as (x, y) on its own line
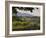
(36, 12)
(28, 11)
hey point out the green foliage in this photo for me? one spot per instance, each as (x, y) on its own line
(14, 10)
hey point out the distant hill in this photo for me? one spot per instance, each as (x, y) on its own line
(24, 14)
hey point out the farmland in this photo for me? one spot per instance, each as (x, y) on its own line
(25, 23)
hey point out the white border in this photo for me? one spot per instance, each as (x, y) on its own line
(25, 32)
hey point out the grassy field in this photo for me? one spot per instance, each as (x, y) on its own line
(25, 23)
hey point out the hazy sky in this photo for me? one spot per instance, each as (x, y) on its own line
(36, 12)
